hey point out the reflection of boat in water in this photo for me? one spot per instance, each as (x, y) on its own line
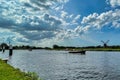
(30, 49)
(78, 52)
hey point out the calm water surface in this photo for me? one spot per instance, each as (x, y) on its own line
(60, 65)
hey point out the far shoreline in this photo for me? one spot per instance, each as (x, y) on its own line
(76, 49)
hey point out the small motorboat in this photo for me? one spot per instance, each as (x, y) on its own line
(77, 52)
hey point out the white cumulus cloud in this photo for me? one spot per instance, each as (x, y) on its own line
(100, 20)
(114, 3)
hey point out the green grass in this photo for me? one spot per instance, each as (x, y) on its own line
(91, 49)
(7, 72)
(102, 49)
(97, 49)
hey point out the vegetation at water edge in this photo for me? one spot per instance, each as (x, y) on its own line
(7, 72)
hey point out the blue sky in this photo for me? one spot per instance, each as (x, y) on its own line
(63, 22)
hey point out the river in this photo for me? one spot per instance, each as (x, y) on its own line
(61, 65)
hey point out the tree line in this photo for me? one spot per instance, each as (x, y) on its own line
(73, 47)
(19, 47)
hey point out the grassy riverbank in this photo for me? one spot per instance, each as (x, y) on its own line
(101, 49)
(7, 72)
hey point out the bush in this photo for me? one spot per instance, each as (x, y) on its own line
(32, 75)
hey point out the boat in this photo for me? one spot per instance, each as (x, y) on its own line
(30, 49)
(77, 52)
(5, 60)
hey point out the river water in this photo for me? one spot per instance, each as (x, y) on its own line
(61, 65)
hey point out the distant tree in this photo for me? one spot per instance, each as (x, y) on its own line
(99, 46)
(47, 48)
(15, 47)
(27, 47)
(55, 46)
(4, 45)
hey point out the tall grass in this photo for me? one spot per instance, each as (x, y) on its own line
(32, 75)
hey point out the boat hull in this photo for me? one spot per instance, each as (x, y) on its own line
(78, 52)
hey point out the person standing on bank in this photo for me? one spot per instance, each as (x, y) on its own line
(3, 49)
(10, 50)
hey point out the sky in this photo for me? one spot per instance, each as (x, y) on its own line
(62, 22)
